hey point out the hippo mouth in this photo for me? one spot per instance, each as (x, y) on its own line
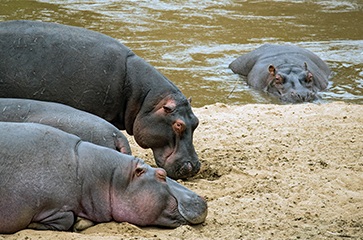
(294, 97)
(175, 163)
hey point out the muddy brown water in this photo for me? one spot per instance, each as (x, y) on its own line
(193, 41)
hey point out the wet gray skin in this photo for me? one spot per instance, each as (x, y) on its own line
(292, 73)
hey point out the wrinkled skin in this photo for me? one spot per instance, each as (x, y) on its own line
(48, 178)
(95, 73)
(86, 126)
(293, 74)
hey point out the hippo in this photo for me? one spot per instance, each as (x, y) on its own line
(87, 126)
(292, 73)
(49, 177)
(95, 73)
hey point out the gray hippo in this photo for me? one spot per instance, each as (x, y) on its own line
(293, 74)
(87, 126)
(48, 178)
(95, 73)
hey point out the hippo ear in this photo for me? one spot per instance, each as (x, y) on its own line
(272, 69)
(190, 100)
(306, 66)
(139, 171)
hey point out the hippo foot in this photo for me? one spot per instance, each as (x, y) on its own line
(37, 226)
(82, 224)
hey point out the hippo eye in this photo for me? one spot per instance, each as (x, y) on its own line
(179, 126)
(279, 78)
(309, 78)
(279, 81)
(160, 174)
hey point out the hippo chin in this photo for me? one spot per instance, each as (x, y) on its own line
(48, 178)
(95, 73)
(293, 74)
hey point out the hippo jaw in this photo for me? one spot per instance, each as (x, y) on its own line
(176, 164)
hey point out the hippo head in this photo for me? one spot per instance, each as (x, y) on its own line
(293, 84)
(168, 130)
(151, 198)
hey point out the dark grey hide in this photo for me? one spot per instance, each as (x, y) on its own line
(95, 73)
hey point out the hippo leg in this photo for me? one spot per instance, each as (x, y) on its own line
(82, 224)
(60, 221)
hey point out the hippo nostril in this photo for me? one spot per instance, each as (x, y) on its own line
(203, 198)
(190, 166)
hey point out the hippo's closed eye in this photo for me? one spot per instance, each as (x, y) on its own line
(160, 174)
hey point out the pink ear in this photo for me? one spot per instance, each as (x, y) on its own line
(272, 69)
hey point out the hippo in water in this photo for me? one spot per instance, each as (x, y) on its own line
(48, 178)
(95, 73)
(293, 74)
(87, 126)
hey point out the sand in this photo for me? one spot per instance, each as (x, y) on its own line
(268, 172)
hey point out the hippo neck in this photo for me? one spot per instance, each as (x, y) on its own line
(145, 87)
(98, 167)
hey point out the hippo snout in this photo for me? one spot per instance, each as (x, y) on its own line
(191, 206)
(187, 169)
(298, 97)
(195, 211)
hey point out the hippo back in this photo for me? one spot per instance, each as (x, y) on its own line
(64, 64)
(82, 124)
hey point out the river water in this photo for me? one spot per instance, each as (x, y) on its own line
(192, 42)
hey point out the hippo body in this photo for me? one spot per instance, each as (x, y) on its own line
(95, 73)
(48, 178)
(86, 126)
(293, 74)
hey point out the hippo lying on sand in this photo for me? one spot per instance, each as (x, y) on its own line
(292, 73)
(87, 126)
(49, 177)
(95, 73)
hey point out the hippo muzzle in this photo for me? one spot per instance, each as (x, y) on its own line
(299, 97)
(192, 207)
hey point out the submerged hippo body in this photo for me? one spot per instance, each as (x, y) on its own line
(86, 126)
(48, 178)
(95, 73)
(293, 74)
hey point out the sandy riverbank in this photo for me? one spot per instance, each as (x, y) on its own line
(268, 171)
